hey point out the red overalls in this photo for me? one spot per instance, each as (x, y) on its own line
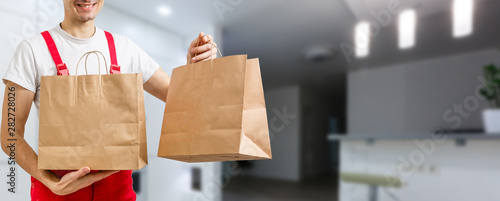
(117, 187)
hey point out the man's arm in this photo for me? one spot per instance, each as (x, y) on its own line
(20, 101)
(158, 84)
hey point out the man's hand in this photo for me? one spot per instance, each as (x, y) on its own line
(201, 49)
(77, 180)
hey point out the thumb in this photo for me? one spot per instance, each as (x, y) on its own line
(72, 176)
(200, 39)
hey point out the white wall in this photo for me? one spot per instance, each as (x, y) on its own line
(285, 143)
(162, 179)
(23, 20)
(413, 97)
(376, 93)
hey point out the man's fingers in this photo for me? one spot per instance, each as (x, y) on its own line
(205, 52)
(103, 174)
(203, 56)
(91, 178)
(213, 57)
(77, 180)
(202, 48)
(202, 39)
(197, 40)
(207, 38)
(72, 176)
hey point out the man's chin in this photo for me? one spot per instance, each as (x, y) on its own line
(87, 18)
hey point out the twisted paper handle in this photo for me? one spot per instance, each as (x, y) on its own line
(86, 55)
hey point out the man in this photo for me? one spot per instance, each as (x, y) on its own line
(73, 37)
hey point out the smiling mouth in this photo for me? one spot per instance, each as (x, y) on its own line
(86, 5)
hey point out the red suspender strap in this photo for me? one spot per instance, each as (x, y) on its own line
(61, 67)
(115, 68)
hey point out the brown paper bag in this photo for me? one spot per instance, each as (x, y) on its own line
(215, 111)
(92, 120)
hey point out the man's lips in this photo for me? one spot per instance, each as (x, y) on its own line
(86, 5)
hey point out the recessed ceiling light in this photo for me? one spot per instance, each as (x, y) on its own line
(407, 28)
(362, 39)
(462, 18)
(164, 11)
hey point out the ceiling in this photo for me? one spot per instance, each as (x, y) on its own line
(363, 9)
(186, 15)
(190, 15)
(280, 31)
(279, 35)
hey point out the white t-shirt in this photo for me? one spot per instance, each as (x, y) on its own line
(32, 58)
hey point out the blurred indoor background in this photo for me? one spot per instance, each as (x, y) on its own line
(367, 99)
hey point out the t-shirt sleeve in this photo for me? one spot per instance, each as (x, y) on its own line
(142, 62)
(22, 69)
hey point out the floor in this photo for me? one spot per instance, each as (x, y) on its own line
(258, 189)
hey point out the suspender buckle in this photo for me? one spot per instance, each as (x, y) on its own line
(115, 69)
(62, 69)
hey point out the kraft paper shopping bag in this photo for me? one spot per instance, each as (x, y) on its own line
(215, 111)
(92, 120)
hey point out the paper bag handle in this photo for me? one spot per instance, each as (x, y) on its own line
(86, 55)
